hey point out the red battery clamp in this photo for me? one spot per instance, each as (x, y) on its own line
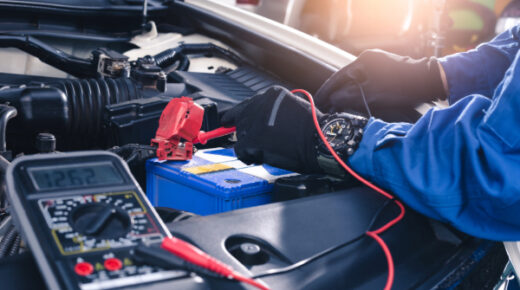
(179, 128)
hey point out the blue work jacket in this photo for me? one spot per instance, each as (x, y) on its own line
(461, 164)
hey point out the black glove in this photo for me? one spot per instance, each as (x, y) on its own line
(276, 128)
(393, 85)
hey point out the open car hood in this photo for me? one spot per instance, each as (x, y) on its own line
(84, 4)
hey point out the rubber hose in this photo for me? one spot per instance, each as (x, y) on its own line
(16, 245)
(75, 66)
(7, 241)
(6, 114)
(170, 56)
(179, 53)
(3, 168)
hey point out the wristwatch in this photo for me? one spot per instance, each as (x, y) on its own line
(343, 132)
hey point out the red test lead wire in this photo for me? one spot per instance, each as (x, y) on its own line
(375, 233)
(196, 256)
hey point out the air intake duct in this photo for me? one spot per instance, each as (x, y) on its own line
(88, 98)
(92, 113)
(76, 110)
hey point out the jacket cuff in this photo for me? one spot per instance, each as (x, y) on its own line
(462, 77)
(362, 160)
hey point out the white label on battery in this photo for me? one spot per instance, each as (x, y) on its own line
(215, 158)
(260, 172)
(233, 162)
(237, 164)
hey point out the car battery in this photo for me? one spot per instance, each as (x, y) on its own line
(213, 181)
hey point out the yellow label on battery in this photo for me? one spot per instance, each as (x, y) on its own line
(202, 169)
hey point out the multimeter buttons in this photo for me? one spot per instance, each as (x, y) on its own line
(113, 264)
(100, 220)
(83, 268)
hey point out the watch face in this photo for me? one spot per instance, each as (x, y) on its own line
(337, 132)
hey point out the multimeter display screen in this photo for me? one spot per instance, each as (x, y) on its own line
(67, 176)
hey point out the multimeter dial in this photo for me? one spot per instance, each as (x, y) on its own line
(100, 221)
(97, 222)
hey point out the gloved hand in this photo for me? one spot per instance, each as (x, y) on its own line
(393, 85)
(276, 128)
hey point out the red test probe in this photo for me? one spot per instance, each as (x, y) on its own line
(203, 137)
(194, 255)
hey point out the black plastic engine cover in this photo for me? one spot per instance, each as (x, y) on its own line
(227, 88)
(424, 251)
(426, 254)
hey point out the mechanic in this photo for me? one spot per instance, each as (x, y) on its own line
(459, 164)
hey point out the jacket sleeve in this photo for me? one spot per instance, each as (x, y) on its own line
(460, 165)
(480, 70)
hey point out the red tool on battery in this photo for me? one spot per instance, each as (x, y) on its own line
(179, 128)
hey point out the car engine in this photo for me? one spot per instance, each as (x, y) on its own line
(89, 82)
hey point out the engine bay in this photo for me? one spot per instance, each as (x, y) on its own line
(123, 103)
(98, 80)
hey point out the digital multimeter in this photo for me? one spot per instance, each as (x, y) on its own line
(82, 214)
